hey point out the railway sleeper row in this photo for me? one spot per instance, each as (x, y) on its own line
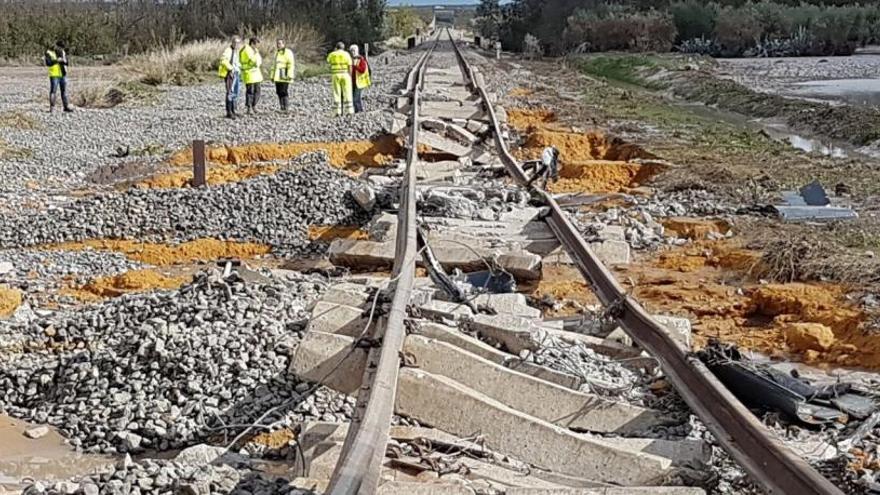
(463, 376)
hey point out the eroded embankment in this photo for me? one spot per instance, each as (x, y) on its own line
(237, 163)
(718, 285)
(589, 161)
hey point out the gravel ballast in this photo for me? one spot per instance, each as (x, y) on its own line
(162, 370)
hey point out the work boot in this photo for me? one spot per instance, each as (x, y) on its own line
(68, 109)
(229, 110)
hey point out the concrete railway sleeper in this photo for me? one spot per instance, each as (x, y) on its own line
(512, 426)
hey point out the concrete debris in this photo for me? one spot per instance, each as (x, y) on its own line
(36, 432)
(442, 144)
(365, 196)
(423, 396)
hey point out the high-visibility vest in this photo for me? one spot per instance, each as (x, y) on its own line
(251, 61)
(226, 62)
(340, 62)
(55, 69)
(283, 70)
(362, 80)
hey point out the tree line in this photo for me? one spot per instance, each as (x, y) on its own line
(716, 27)
(92, 27)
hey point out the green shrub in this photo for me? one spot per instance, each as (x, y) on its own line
(737, 30)
(617, 29)
(694, 19)
(621, 68)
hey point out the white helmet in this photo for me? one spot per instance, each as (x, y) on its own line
(354, 50)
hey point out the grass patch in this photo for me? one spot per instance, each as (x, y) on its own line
(10, 152)
(109, 95)
(179, 65)
(628, 69)
(18, 120)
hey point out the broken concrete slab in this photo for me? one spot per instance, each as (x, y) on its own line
(461, 112)
(523, 265)
(445, 310)
(685, 452)
(630, 356)
(432, 124)
(331, 317)
(423, 488)
(365, 255)
(817, 213)
(514, 333)
(679, 328)
(437, 171)
(346, 293)
(331, 360)
(610, 252)
(501, 114)
(543, 400)
(461, 135)
(511, 304)
(425, 397)
(442, 144)
(463, 341)
(477, 127)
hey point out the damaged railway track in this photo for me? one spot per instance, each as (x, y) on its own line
(382, 345)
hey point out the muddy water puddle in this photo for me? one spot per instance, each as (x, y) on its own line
(47, 458)
(865, 92)
(777, 130)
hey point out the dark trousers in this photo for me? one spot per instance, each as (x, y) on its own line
(252, 95)
(357, 96)
(281, 89)
(56, 83)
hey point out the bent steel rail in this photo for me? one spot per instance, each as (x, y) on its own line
(772, 465)
(360, 463)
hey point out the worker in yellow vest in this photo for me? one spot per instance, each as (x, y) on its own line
(282, 73)
(56, 61)
(230, 71)
(360, 74)
(252, 73)
(340, 76)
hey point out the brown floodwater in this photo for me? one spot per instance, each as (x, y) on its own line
(48, 458)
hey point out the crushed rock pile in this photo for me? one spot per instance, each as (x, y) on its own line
(164, 369)
(274, 210)
(200, 469)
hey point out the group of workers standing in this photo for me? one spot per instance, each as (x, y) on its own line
(242, 64)
(350, 75)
